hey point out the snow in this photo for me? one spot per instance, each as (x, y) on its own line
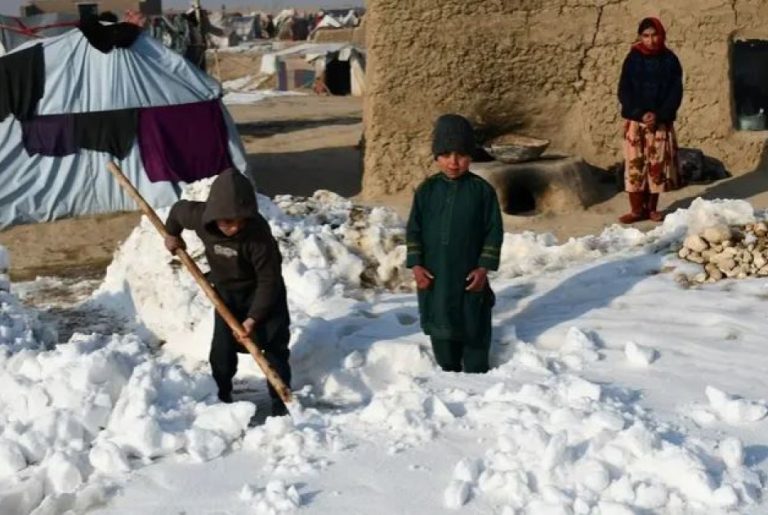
(614, 389)
(254, 97)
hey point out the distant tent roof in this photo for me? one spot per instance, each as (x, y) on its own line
(16, 31)
(81, 79)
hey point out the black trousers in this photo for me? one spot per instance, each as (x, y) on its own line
(224, 347)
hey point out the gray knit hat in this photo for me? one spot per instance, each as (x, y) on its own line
(453, 133)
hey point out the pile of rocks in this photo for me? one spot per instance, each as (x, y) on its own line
(728, 252)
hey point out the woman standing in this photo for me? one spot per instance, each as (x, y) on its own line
(650, 92)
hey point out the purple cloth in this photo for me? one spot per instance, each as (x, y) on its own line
(50, 135)
(183, 143)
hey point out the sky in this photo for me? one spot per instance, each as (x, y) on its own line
(11, 7)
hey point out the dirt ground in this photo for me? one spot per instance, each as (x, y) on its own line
(297, 145)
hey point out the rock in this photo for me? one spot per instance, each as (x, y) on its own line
(683, 252)
(713, 271)
(716, 234)
(695, 258)
(700, 278)
(760, 229)
(695, 243)
(682, 280)
(726, 264)
(746, 256)
(707, 254)
(763, 271)
(758, 260)
(717, 248)
(730, 251)
(727, 243)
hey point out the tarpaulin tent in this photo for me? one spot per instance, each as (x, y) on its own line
(81, 81)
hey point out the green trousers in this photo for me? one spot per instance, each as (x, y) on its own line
(452, 354)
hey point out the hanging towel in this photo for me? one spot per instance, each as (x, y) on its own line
(183, 143)
(50, 135)
(105, 38)
(22, 82)
(113, 132)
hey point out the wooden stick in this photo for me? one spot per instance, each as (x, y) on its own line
(237, 328)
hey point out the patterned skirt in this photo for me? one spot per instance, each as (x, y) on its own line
(650, 158)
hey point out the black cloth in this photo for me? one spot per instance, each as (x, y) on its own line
(113, 132)
(50, 135)
(106, 38)
(651, 83)
(453, 133)
(249, 260)
(224, 346)
(22, 82)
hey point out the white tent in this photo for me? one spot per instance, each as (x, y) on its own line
(81, 79)
(324, 58)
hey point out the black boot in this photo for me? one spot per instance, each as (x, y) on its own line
(278, 408)
(225, 397)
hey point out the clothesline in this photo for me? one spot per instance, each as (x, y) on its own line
(33, 31)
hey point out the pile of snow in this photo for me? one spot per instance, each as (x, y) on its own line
(79, 416)
(567, 446)
(329, 247)
(75, 417)
(255, 96)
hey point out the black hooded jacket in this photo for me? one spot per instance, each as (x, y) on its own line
(248, 260)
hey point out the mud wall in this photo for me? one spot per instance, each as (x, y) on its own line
(541, 67)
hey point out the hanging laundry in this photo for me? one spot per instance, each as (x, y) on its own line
(105, 38)
(22, 82)
(50, 135)
(183, 143)
(113, 132)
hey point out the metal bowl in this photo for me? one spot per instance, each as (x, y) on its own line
(516, 148)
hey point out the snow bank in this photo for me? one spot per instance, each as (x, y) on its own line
(75, 417)
(566, 445)
(329, 247)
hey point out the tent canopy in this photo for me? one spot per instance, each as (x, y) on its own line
(80, 79)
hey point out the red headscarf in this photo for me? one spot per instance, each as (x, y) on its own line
(661, 31)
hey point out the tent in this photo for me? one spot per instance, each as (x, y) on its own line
(78, 79)
(341, 67)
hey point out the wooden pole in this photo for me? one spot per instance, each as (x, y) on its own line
(237, 328)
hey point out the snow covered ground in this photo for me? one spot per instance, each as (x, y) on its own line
(616, 390)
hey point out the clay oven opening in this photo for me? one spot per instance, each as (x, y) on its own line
(749, 73)
(519, 200)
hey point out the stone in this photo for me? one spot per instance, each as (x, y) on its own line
(763, 271)
(726, 264)
(695, 243)
(683, 252)
(713, 272)
(716, 233)
(700, 277)
(695, 258)
(758, 260)
(760, 229)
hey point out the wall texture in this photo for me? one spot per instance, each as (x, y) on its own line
(541, 67)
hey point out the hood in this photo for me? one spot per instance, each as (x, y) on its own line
(232, 196)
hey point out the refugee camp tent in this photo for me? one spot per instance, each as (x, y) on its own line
(17, 31)
(340, 66)
(80, 80)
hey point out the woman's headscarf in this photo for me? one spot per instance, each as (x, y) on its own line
(660, 30)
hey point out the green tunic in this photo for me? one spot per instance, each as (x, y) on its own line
(454, 227)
